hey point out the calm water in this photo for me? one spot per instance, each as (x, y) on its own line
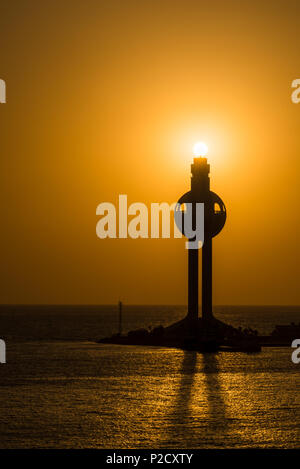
(60, 389)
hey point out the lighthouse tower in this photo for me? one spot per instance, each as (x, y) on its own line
(214, 221)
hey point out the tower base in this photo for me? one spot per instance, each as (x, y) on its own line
(191, 333)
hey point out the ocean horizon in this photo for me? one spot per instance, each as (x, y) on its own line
(91, 322)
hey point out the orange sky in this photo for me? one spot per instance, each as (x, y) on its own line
(107, 98)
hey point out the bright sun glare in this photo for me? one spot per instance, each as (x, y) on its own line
(200, 149)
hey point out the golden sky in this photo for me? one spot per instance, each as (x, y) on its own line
(107, 98)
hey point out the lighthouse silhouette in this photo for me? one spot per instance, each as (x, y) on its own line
(204, 334)
(214, 221)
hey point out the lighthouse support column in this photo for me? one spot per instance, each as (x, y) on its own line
(193, 283)
(207, 279)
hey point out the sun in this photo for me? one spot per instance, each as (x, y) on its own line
(200, 149)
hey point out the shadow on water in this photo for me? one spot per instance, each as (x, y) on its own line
(199, 411)
(215, 395)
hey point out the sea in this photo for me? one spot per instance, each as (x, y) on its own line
(59, 388)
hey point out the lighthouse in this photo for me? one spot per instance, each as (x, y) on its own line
(214, 221)
(205, 333)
